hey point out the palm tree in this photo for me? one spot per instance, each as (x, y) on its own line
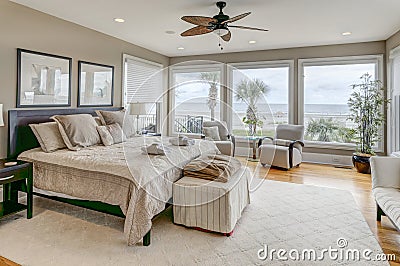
(322, 129)
(212, 78)
(327, 129)
(249, 92)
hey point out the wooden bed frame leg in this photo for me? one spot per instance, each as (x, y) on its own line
(146, 239)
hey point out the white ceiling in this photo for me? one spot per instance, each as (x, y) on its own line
(292, 23)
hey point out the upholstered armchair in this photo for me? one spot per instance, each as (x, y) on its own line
(285, 150)
(219, 133)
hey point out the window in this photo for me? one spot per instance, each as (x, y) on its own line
(325, 87)
(143, 83)
(394, 94)
(261, 91)
(195, 97)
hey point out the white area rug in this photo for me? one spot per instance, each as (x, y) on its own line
(281, 215)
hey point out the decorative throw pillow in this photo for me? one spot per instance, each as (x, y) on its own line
(48, 136)
(78, 130)
(111, 134)
(120, 117)
(105, 135)
(212, 133)
(98, 121)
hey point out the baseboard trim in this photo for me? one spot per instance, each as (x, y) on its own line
(331, 159)
(308, 157)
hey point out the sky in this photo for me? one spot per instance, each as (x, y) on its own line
(323, 84)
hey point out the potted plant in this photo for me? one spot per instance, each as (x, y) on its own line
(367, 104)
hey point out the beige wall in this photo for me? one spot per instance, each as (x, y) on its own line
(369, 48)
(22, 27)
(393, 42)
(291, 53)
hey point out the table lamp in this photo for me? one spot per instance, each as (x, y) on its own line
(137, 109)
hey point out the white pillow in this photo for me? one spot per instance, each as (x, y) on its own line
(48, 136)
(111, 134)
(212, 133)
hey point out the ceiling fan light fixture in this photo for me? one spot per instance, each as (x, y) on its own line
(221, 32)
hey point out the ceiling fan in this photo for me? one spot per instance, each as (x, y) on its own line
(218, 24)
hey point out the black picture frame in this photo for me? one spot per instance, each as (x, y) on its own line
(95, 101)
(26, 82)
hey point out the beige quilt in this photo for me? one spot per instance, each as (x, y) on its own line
(120, 174)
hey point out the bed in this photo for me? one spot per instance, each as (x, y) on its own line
(120, 179)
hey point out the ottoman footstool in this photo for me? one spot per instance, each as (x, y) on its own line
(211, 205)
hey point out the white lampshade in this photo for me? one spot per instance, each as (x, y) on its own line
(138, 108)
(1, 115)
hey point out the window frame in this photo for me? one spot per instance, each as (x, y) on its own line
(392, 139)
(192, 68)
(124, 102)
(327, 61)
(124, 73)
(259, 65)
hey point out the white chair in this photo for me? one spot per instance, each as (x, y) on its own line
(285, 150)
(385, 172)
(226, 142)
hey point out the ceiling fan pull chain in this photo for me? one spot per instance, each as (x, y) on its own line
(219, 44)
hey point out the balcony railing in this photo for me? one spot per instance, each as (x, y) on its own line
(189, 124)
(148, 123)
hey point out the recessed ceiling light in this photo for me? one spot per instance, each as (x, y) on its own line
(252, 42)
(170, 32)
(347, 33)
(181, 48)
(119, 20)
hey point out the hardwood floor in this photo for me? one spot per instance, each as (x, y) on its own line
(347, 179)
(6, 262)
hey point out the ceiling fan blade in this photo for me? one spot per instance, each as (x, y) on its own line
(237, 18)
(227, 37)
(196, 31)
(199, 20)
(247, 28)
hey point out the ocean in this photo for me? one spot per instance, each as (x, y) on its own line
(194, 108)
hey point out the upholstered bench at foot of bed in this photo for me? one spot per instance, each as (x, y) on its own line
(211, 205)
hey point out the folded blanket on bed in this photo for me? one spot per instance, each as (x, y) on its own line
(212, 167)
(155, 149)
(181, 141)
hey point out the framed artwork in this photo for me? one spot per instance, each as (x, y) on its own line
(44, 80)
(95, 84)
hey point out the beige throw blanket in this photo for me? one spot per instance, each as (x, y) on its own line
(212, 167)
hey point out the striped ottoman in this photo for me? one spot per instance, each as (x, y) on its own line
(211, 205)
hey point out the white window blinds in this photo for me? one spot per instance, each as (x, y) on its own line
(143, 81)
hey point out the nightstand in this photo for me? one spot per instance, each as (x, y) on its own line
(16, 178)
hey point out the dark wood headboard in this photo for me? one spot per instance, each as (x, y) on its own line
(20, 135)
